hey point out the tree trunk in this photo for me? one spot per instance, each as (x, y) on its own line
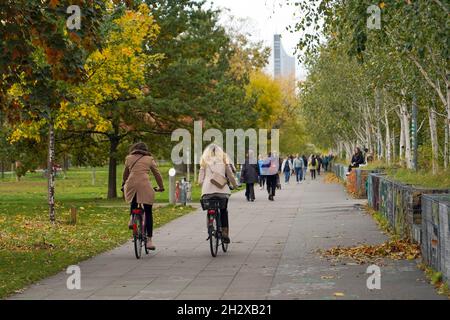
(446, 147)
(112, 171)
(368, 130)
(434, 139)
(393, 147)
(414, 142)
(51, 172)
(378, 103)
(407, 135)
(448, 119)
(402, 141)
(3, 169)
(388, 138)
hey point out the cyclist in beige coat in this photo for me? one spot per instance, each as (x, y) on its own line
(216, 161)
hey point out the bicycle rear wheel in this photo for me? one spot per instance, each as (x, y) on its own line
(224, 246)
(213, 238)
(138, 236)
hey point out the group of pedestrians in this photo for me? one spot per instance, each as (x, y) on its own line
(216, 177)
(292, 166)
(298, 166)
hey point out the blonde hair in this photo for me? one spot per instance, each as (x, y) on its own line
(213, 154)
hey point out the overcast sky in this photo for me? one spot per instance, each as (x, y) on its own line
(266, 19)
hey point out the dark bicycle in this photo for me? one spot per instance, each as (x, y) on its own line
(213, 207)
(139, 233)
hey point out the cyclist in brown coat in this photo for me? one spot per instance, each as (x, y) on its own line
(137, 187)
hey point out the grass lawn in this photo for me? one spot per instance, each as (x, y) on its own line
(422, 178)
(31, 248)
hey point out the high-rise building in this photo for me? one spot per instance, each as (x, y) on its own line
(284, 64)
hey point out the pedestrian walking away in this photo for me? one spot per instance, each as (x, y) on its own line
(270, 170)
(262, 178)
(250, 175)
(319, 164)
(287, 168)
(326, 161)
(298, 167)
(305, 167)
(312, 165)
(137, 187)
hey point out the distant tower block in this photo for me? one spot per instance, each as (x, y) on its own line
(284, 64)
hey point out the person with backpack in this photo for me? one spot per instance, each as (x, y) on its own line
(287, 168)
(313, 165)
(298, 167)
(270, 170)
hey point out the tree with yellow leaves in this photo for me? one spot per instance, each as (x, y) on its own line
(107, 104)
(267, 98)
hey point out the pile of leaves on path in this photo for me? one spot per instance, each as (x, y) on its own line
(363, 254)
(331, 178)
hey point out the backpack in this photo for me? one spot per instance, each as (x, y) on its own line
(287, 167)
(314, 162)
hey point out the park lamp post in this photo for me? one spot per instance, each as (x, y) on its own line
(172, 174)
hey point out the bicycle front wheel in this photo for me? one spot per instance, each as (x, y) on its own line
(138, 236)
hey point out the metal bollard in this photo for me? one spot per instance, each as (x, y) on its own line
(183, 197)
(172, 174)
(188, 191)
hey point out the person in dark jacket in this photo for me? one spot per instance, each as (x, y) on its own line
(319, 164)
(305, 167)
(326, 161)
(357, 160)
(250, 175)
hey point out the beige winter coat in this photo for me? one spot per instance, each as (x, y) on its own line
(137, 180)
(205, 175)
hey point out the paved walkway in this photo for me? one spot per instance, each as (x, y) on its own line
(272, 256)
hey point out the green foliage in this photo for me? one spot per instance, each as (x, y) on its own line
(422, 178)
(362, 80)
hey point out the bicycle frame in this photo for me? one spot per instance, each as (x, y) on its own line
(215, 214)
(139, 235)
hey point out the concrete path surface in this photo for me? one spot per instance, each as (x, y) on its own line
(272, 256)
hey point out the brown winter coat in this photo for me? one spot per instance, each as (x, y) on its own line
(137, 182)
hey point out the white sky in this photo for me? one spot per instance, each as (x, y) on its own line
(266, 19)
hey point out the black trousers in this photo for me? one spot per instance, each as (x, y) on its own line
(271, 184)
(148, 216)
(223, 212)
(250, 191)
(313, 174)
(262, 181)
(224, 218)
